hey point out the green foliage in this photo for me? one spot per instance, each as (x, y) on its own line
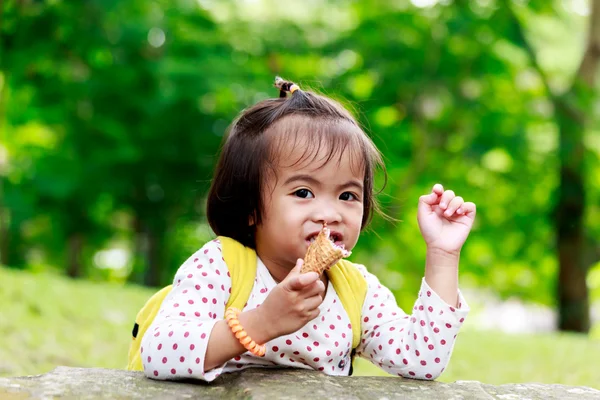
(112, 123)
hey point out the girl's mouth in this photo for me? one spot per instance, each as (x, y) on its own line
(335, 238)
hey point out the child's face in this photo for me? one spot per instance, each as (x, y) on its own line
(303, 197)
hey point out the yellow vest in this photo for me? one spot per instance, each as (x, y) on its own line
(345, 277)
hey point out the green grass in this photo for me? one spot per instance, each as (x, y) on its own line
(497, 358)
(47, 321)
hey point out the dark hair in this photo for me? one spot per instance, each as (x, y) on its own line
(251, 152)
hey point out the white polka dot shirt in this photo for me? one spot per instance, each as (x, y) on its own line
(412, 346)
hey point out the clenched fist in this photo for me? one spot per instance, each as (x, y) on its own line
(292, 303)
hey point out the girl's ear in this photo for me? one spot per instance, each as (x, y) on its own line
(251, 219)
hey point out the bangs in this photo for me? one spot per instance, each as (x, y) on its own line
(323, 140)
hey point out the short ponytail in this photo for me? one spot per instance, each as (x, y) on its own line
(285, 87)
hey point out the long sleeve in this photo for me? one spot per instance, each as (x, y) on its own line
(412, 346)
(174, 346)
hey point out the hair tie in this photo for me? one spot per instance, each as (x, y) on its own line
(285, 86)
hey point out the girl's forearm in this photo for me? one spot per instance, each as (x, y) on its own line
(223, 345)
(441, 274)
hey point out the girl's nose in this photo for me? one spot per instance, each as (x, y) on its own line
(326, 213)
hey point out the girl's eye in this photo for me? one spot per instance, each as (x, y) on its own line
(303, 193)
(348, 196)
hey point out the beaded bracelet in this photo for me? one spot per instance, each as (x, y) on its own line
(231, 315)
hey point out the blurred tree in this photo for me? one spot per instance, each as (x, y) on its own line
(112, 123)
(128, 94)
(573, 113)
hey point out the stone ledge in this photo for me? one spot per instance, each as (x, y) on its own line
(95, 383)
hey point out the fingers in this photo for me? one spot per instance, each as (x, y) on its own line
(432, 198)
(447, 196)
(313, 303)
(297, 281)
(429, 199)
(448, 202)
(467, 208)
(297, 267)
(453, 206)
(317, 288)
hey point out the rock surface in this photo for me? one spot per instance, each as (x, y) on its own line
(95, 383)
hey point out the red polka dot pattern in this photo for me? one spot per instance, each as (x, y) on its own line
(413, 346)
(424, 338)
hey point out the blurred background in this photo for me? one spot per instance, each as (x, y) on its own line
(112, 114)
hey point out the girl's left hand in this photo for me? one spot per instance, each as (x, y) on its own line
(445, 219)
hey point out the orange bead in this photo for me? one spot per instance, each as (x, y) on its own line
(231, 317)
(241, 334)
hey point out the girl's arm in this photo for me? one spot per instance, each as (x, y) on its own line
(420, 345)
(223, 345)
(176, 345)
(441, 274)
(445, 221)
(413, 346)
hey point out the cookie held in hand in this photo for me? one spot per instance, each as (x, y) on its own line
(323, 253)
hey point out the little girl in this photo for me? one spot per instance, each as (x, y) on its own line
(288, 166)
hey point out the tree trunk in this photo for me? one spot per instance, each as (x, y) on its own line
(155, 249)
(149, 251)
(139, 252)
(572, 293)
(4, 213)
(3, 231)
(573, 299)
(74, 252)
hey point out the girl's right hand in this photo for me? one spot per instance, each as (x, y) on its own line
(292, 303)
